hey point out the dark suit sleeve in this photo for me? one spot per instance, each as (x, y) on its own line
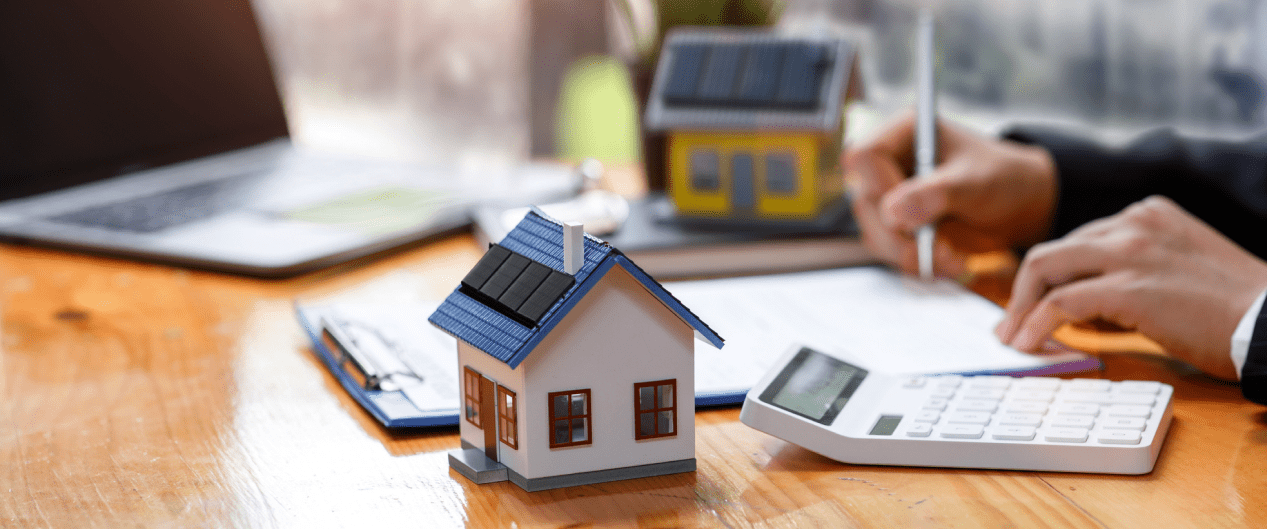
(1223, 183)
(1254, 373)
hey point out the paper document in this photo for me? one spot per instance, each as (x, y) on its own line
(886, 321)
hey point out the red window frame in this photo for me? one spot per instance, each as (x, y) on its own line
(507, 417)
(648, 413)
(567, 417)
(471, 397)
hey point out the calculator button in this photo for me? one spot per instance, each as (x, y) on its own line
(948, 381)
(1088, 397)
(977, 405)
(990, 382)
(1123, 423)
(1026, 407)
(983, 393)
(1020, 419)
(914, 382)
(929, 416)
(1072, 421)
(919, 429)
(1078, 409)
(1118, 437)
(1034, 395)
(969, 417)
(936, 403)
(1066, 435)
(1014, 433)
(1090, 384)
(1039, 383)
(962, 431)
(1129, 410)
(942, 391)
(1133, 398)
(1139, 386)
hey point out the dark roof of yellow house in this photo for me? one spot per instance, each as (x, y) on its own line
(745, 79)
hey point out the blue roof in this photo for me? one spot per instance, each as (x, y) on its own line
(541, 239)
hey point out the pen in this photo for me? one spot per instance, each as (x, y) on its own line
(925, 135)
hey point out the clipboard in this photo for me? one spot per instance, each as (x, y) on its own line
(391, 408)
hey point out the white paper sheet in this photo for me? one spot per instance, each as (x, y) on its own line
(883, 320)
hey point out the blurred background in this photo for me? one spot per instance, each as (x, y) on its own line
(484, 84)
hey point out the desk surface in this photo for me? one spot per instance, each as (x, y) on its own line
(141, 395)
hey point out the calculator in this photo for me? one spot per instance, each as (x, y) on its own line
(841, 410)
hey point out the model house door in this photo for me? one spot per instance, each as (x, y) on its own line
(742, 194)
(488, 406)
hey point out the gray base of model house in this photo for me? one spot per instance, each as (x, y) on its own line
(477, 467)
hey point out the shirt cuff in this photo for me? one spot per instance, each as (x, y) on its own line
(1244, 332)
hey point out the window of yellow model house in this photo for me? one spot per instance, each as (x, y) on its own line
(705, 170)
(656, 409)
(507, 413)
(570, 418)
(780, 173)
(471, 396)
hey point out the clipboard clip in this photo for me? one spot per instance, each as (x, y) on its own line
(374, 358)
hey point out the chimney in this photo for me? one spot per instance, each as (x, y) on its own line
(573, 247)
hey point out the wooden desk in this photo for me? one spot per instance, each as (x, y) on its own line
(141, 395)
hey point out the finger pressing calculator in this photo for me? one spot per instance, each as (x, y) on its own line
(845, 412)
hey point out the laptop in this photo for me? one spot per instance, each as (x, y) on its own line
(154, 129)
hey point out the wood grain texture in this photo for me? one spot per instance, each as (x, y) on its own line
(137, 395)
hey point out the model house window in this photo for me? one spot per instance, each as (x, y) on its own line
(471, 396)
(705, 170)
(656, 413)
(570, 418)
(506, 417)
(780, 173)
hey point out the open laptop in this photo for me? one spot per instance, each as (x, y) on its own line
(154, 129)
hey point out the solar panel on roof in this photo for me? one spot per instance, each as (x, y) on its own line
(720, 72)
(688, 61)
(505, 275)
(773, 75)
(485, 268)
(760, 75)
(554, 286)
(524, 285)
(801, 73)
(517, 287)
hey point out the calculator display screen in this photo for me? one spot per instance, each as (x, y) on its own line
(814, 385)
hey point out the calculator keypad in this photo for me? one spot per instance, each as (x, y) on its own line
(1079, 411)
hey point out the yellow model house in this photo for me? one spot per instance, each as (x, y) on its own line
(754, 123)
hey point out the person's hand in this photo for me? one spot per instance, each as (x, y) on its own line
(985, 195)
(1153, 268)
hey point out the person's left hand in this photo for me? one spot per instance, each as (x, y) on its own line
(1153, 268)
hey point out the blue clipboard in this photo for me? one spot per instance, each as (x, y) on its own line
(391, 408)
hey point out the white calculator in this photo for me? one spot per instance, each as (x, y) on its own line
(842, 411)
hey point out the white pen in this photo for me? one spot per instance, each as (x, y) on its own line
(925, 134)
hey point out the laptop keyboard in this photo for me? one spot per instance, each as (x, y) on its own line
(152, 213)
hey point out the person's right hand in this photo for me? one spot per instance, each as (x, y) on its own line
(985, 194)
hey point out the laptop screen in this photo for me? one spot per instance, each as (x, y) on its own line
(91, 89)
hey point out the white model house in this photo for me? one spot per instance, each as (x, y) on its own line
(577, 367)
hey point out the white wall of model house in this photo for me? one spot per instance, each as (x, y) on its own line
(619, 334)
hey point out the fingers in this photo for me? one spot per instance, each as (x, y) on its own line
(917, 202)
(875, 171)
(872, 171)
(897, 143)
(870, 177)
(1048, 266)
(1079, 301)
